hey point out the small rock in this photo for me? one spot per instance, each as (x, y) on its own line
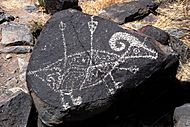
(12, 82)
(14, 112)
(23, 66)
(17, 89)
(176, 32)
(8, 56)
(4, 17)
(16, 34)
(182, 116)
(129, 11)
(180, 48)
(16, 49)
(30, 8)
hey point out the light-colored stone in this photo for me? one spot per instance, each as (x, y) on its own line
(16, 49)
(22, 68)
(8, 56)
(14, 34)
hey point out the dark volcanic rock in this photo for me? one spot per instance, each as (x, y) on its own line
(129, 11)
(53, 6)
(81, 64)
(158, 34)
(15, 111)
(4, 17)
(164, 38)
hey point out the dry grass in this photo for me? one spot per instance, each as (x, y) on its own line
(93, 7)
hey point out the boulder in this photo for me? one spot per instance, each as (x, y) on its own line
(82, 64)
(53, 6)
(14, 111)
(16, 34)
(129, 11)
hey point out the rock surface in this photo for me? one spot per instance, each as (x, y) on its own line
(53, 6)
(14, 112)
(129, 11)
(81, 63)
(158, 34)
(4, 17)
(16, 34)
(30, 8)
(164, 38)
(176, 32)
(182, 116)
(16, 49)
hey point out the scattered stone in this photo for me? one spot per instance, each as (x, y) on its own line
(14, 112)
(4, 17)
(8, 56)
(182, 116)
(30, 8)
(53, 6)
(16, 49)
(158, 34)
(130, 11)
(176, 32)
(82, 64)
(23, 66)
(16, 34)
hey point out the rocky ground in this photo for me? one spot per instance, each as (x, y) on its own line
(28, 17)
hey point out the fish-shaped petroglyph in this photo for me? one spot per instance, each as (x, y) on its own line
(87, 69)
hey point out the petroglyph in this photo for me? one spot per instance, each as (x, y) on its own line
(83, 70)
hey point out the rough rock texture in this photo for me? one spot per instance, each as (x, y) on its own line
(30, 8)
(16, 34)
(14, 112)
(82, 64)
(182, 116)
(176, 32)
(181, 48)
(4, 17)
(129, 11)
(16, 49)
(158, 34)
(53, 6)
(164, 38)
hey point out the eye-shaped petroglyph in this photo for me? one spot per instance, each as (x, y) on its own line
(84, 70)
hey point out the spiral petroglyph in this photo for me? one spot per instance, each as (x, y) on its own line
(84, 70)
